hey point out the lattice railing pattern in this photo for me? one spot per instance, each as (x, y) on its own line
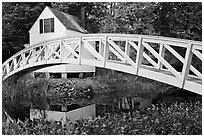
(127, 53)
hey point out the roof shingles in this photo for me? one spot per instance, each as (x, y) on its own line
(69, 21)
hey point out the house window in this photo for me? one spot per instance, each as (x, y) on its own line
(46, 25)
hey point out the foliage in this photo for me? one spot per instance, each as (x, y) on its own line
(126, 17)
(182, 118)
(179, 19)
(174, 19)
(17, 19)
(19, 95)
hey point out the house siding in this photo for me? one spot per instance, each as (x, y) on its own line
(59, 29)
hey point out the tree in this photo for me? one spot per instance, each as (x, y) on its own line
(179, 19)
(17, 19)
(172, 19)
(94, 12)
(134, 18)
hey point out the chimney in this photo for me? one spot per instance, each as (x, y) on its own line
(83, 17)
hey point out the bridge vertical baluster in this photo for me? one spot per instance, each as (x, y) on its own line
(46, 51)
(14, 63)
(33, 56)
(80, 49)
(186, 65)
(7, 68)
(127, 49)
(101, 48)
(106, 51)
(139, 57)
(161, 53)
(62, 50)
(23, 59)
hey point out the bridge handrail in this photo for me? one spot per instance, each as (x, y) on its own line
(183, 42)
(54, 49)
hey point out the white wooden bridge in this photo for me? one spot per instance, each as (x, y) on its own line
(120, 52)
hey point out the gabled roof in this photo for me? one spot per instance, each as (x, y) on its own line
(69, 21)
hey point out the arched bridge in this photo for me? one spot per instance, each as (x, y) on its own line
(147, 56)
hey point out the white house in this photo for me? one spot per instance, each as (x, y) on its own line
(53, 24)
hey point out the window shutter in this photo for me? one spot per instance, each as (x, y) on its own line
(41, 26)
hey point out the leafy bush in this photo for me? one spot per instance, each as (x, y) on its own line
(183, 118)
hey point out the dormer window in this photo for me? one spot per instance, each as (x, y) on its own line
(46, 25)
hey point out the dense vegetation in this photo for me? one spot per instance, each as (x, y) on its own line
(104, 88)
(174, 19)
(180, 118)
(178, 114)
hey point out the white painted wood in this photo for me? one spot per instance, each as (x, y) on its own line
(197, 53)
(101, 48)
(81, 46)
(39, 54)
(7, 68)
(161, 53)
(151, 61)
(117, 54)
(12, 65)
(192, 86)
(198, 74)
(75, 48)
(28, 57)
(127, 49)
(66, 45)
(144, 54)
(92, 50)
(122, 38)
(168, 42)
(59, 28)
(168, 79)
(23, 58)
(53, 52)
(120, 67)
(197, 46)
(97, 63)
(163, 61)
(139, 57)
(122, 53)
(186, 65)
(106, 51)
(178, 56)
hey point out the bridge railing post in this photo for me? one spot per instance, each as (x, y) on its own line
(61, 50)
(80, 49)
(139, 57)
(14, 63)
(34, 55)
(127, 49)
(106, 51)
(46, 51)
(7, 68)
(101, 48)
(161, 53)
(186, 65)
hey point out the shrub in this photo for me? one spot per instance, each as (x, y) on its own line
(178, 119)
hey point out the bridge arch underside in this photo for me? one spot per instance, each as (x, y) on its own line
(192, 84)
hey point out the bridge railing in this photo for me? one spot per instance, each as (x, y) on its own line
(128, 53)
